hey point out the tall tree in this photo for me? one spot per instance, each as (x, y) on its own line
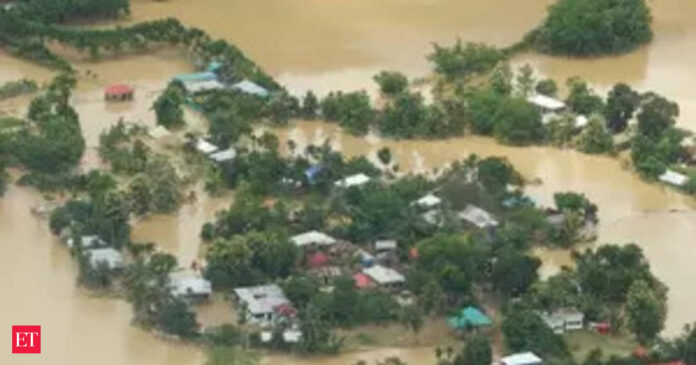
(622, 102)
(646, 309)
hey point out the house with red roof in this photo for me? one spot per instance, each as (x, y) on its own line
(118, 92)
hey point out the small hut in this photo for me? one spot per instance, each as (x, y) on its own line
(119, 92)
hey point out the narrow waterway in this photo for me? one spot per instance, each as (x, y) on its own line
(340, 44)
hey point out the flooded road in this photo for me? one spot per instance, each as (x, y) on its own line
(341, 44)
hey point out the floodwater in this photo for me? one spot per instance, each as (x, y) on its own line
(340, 44)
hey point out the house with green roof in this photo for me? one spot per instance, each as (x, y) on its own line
(468, 318)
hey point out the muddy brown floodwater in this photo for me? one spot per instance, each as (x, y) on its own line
(340, 44)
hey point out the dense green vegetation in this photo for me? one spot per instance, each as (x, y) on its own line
(15, 88)
(56, 143)
(594, 27)
(168, 108)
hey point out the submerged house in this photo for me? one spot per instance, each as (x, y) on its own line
(190, 285)
(90, 241)
(205, 147)
(428, 201)
(385, 245)
(107, 256)
(522, 358)
(261, 302)
(251, 88)
(547, 104)
(478, 217)
(223, 156)
(674, 178)
(564, 320)
(118, 92)
(353, 180)
(313, 238)
(469, 318)
(384, 276)
(193, 87)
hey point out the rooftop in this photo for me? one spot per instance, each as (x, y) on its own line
(205, 147)
(197, 76)
(118, 89)
(313, 237)
(674, 178)
(261, 299)
(469, 317)
(385, 245)
(478, 217)
(546, 102)
(89, 241)
(189, 284)
(249, 87)
(522, 358)
(222, 156)
(383, 275)
(428, 201)
(108, 255)
(353, 180)
(204, 85)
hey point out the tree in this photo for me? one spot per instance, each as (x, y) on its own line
(656, 116)
(176, 318)
(157, 189)
(226, 126)
(408, 116)
(646, 309)
(622, 102)
(495, 174)
(595, 139)
(411, 316)
(384, 155)
(483, 106)
(547, 87)
(561, 129)
(476, 351)
(4, 179)
(525, 81)
(518, 123)
(608, 272)
(513, 273)
(391, 83)
(581, 98)
(594, 27)
(352, 111)
(524, 330)
(463, 61)
(310, 106)
(168, 108)
(455, 261)
(500, 80)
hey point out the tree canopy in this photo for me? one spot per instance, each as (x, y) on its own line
(594, 27)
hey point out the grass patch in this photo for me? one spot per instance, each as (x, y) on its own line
(581, 343)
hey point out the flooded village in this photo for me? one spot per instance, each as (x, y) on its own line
(322, 46)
